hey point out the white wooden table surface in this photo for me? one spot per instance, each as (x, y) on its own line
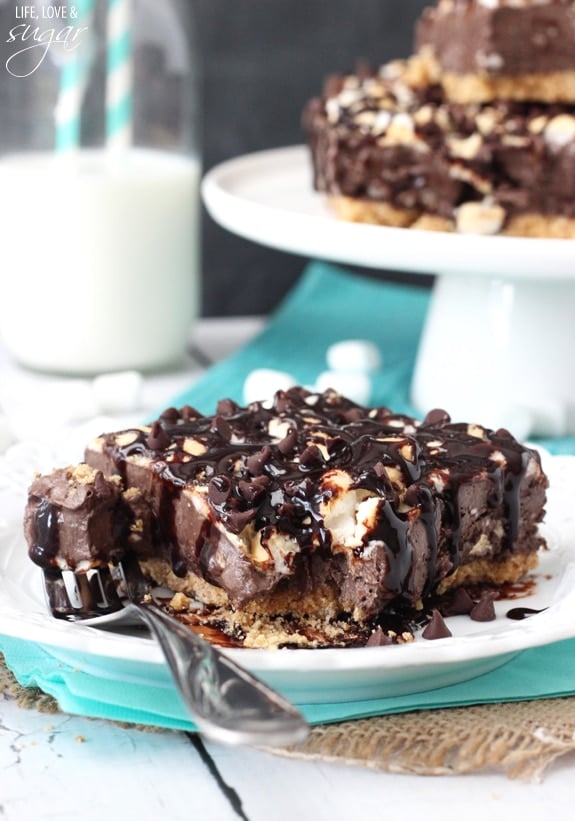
(62, 767)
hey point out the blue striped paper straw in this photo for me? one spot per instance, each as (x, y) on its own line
(73, 81)
(119, 75)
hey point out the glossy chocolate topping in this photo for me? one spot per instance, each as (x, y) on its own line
(275, 470)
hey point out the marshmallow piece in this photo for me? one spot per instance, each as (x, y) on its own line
(353, 355)
(261, 384)
(117, 392)
(354, 385)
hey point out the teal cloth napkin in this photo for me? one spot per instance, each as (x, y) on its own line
(328, 304)
(542, 672)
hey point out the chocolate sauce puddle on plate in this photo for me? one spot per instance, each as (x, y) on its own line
(521, 613)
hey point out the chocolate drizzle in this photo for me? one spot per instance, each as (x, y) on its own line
(267, 469)
(521, 613)
(45, 544)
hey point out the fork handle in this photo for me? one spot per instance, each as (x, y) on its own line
(226, 702)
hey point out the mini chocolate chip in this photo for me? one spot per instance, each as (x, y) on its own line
(227, 407)
(288, 443)
(412, 495)
(301, 489)
(336, 446)
(437, 628)
(353, 415)
(436, 418)
(189, 413)
(170, 415)
(311, 457)
(219, 489)
(484, 609)
(288, 510)
(378, 639)
(460, 604)
(257, 461)
(222, 426)
(282, 401)
(157, 438)
(253, 489)
(101, 486)
(238, 519)
(379, 470)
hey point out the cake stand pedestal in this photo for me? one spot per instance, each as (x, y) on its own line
(500, 350)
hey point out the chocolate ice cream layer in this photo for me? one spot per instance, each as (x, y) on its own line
(501, 49)
(76, 519)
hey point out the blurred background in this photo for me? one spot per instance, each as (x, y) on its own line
(262, 60)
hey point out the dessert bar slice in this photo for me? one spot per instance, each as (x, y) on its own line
(309, 512)
(388, 148)
(485, 50)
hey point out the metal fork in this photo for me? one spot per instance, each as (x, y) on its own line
(226, 702)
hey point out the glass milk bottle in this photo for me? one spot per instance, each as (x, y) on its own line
(99, 176)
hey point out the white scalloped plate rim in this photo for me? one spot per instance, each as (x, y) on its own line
(474, 648)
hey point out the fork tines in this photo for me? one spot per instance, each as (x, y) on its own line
(76, 595)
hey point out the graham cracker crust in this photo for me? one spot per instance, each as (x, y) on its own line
(380, 213)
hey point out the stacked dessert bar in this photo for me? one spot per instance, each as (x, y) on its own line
(474, 133)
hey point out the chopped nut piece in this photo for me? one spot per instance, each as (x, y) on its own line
(193, 446)
(466, 149)
(180, 602)
(560, 130)
(480, 218)
(127, 438)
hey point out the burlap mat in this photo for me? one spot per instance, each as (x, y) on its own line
(519, 739)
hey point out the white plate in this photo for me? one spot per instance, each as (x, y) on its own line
(268, 197)
(306, 676)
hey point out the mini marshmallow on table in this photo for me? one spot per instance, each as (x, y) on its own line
(117, 392)
(262, 383)
(354, 355)
(350, 363)
(355, 385)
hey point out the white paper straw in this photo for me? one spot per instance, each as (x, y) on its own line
(119, 75)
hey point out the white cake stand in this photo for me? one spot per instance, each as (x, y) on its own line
(499, 339)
